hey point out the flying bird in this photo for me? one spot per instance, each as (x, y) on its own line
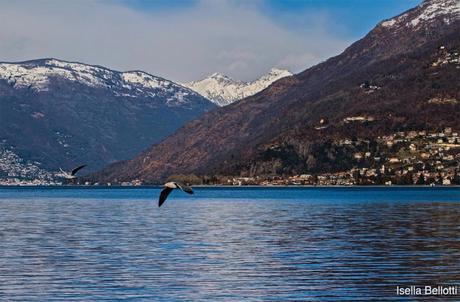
(168, 187)
(71, 174)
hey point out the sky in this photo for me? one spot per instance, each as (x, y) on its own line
(186, 40)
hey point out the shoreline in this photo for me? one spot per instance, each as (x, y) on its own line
(232, 187)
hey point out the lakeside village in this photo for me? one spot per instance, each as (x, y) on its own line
(403, 158)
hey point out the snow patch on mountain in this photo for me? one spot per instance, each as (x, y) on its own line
(434, 8)
(388, 23)
(37, 75)
(448, 10)
(223, 90)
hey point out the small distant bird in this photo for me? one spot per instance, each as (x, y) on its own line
(168, 187)
(71, 174)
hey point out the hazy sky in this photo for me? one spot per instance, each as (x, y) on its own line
(185, 40)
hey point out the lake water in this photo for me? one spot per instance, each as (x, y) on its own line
(227, 244)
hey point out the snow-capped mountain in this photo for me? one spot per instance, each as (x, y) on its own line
(59, 114)
(223, 90)
(428, 11)
(38, 75)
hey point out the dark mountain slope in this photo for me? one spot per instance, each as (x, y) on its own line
(277, 130)
(60, 113)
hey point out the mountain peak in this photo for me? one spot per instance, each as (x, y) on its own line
(223, 90)
(218, 75)
(429, 10)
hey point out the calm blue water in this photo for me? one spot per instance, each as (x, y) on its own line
(227, 244)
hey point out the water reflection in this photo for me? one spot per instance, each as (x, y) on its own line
(225, 249)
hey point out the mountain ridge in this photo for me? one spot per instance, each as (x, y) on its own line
(223, 90)
(49, 67)
(59, 113)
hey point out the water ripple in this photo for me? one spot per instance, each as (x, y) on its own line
(59, 248)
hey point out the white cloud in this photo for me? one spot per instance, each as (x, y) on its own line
(181, 44)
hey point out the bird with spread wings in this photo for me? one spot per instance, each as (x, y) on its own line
(169, 187)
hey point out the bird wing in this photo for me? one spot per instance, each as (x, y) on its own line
(163, 195)
(77, 169)
(184, 188)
